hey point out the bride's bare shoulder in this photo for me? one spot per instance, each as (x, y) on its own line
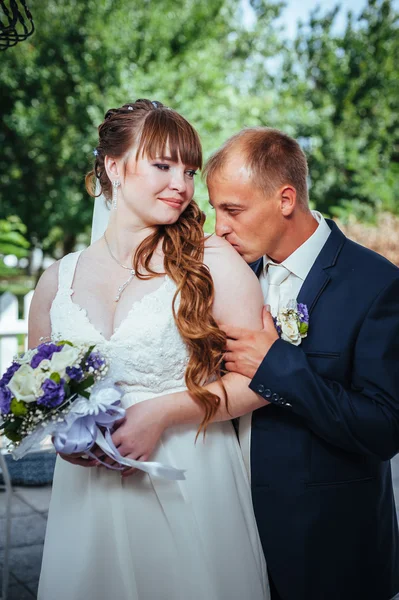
(48, 283)
(213, 241)
(219, 255)
(238, 297)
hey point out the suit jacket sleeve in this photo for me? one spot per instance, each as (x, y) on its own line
(362, 418)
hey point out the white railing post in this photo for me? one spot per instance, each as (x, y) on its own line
(11, 327)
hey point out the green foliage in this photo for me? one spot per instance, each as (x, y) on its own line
(347, 95)
(336, 92)
(88, 56)
(12, 240)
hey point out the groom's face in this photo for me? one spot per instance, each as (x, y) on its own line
(251, 222)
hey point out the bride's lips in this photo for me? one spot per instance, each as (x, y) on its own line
(173, 202)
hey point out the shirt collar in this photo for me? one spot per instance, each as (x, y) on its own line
(302, 259)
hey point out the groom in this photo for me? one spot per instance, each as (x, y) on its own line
(321, 476)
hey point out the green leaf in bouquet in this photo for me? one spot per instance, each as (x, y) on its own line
(13, 436)
(86, 356)
(63, 343)
(84, 385)
(55, 377)
(18, 408)
(11, 430)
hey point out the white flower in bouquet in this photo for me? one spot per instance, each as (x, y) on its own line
(26, 357)
(68, 356)
(25, 385)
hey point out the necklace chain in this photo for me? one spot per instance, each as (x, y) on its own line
(114, 257)
(122, 287)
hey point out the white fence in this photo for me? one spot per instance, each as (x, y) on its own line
(11, 327)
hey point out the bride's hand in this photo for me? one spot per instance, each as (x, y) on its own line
(138, 435)
(77, 459)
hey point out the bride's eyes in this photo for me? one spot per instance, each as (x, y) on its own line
(162, 167)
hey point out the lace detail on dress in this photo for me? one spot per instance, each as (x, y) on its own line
(146, 351)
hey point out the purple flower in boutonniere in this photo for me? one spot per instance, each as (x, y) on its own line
(292, 322)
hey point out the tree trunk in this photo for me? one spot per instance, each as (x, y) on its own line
(69, 242)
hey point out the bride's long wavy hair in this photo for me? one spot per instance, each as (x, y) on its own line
(151, 127)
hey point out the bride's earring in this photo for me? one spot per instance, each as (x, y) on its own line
(115, 185)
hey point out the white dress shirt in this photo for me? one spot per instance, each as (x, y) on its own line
(299, 264)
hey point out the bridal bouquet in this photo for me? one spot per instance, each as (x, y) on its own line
(61, 389)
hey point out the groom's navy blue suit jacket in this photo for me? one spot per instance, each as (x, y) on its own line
(321, 476)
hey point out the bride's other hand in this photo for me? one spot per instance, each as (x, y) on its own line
(77, 459)
(139, 434)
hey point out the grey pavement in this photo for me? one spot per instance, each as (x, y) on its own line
(29, 515)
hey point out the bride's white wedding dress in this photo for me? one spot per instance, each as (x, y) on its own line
(146, 538)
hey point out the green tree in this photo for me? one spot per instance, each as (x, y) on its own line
(12, 241)
(344, 98)
(88, 56)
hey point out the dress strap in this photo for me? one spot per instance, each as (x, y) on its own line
(66, 271)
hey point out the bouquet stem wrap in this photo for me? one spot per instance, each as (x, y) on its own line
(90, 421)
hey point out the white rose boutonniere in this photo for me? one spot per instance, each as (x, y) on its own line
(292, 323)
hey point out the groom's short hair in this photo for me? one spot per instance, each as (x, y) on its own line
(272, 157)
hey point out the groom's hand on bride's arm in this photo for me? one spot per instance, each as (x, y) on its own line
(246, 349)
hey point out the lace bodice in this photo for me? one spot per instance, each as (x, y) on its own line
(146, 353)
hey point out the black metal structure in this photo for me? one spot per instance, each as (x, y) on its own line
(16, 23)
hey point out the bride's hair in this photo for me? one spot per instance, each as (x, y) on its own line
(150, 126)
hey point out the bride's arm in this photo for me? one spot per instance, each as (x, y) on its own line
(239, 302)
(39, 325)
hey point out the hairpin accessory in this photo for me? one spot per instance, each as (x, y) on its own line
(115, 185)
(155, 103)
(95, 152)
(130, 108)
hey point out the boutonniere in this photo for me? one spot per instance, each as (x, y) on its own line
(292, 322)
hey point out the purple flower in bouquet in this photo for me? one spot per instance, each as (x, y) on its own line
(5, 399)
(94, 361)
(75, 373)
(44, 351)
(54, 393)
(9, 373)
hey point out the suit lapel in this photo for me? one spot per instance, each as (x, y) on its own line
(257, 266)
(319, 275)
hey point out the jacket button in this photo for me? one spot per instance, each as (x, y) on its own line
(267, 393)
(275, 397)
(261, 388)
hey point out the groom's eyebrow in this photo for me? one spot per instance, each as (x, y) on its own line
(225, 205)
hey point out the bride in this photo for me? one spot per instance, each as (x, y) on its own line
(149, 293)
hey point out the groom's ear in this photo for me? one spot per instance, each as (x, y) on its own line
(112, 167)
(287, 200)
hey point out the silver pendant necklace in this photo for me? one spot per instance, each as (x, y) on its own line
(122, 287)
